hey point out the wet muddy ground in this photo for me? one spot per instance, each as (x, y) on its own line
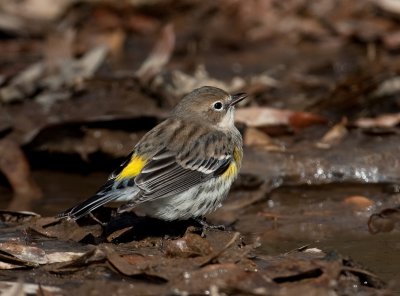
(315, 209)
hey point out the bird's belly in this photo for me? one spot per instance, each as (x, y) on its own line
(195, 202)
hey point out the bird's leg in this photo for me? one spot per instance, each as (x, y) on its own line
(102, 224)
(206, 226)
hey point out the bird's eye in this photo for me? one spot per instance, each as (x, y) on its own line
(218, 106)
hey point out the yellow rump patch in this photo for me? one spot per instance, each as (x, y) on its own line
(133, 168)
(237, 155)
(231, 171)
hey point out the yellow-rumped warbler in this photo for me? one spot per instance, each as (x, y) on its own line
(182, 168)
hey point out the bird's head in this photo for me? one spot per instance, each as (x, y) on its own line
(210, 104)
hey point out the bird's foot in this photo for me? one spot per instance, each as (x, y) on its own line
(206, 226)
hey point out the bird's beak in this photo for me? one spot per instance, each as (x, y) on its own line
(237, 98)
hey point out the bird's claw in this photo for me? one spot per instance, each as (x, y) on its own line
(206, 226)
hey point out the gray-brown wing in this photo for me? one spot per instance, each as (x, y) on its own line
(164, 176)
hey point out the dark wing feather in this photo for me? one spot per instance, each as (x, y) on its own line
(164, 176)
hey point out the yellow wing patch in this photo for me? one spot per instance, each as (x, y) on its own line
(133, 168)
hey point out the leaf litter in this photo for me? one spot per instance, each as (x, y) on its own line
(89, 91)
(189, 263)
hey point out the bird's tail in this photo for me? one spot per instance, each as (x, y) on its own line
(102, 197)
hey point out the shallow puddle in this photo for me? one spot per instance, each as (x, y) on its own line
(324, 217)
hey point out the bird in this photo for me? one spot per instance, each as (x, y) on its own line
(181, 169)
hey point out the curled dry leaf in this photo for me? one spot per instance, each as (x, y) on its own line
(334, 136)
(263, 116)
(17, 254)
(17, 216)
(27, 255)
(77, 261)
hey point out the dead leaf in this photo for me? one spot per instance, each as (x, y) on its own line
(392, 6)
(334, 136)
(388, 87)
(159, 56)
(134, 265)
(256, 138)
(263, 116)
(218, 253)
(384, 221)
(358, 202)
(191, 245)
(120, 232)
(64, 229)
(22, 85)
(183, 83)
(383, 121)
(17, 216)
(27, 255)
(77, 261)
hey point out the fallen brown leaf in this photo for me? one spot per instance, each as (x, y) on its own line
(183, 83)
(358, 202)
(384, 221)
(384, 121)
(190, 245)
(28, 255)
(256, 138)
(159, 56)
(17, 216)
(77, 261)
(334, 136)
(263, 116)
(64, 229)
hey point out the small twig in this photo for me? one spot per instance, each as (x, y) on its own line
(357, 270)
(219, 252)
(298, 249)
